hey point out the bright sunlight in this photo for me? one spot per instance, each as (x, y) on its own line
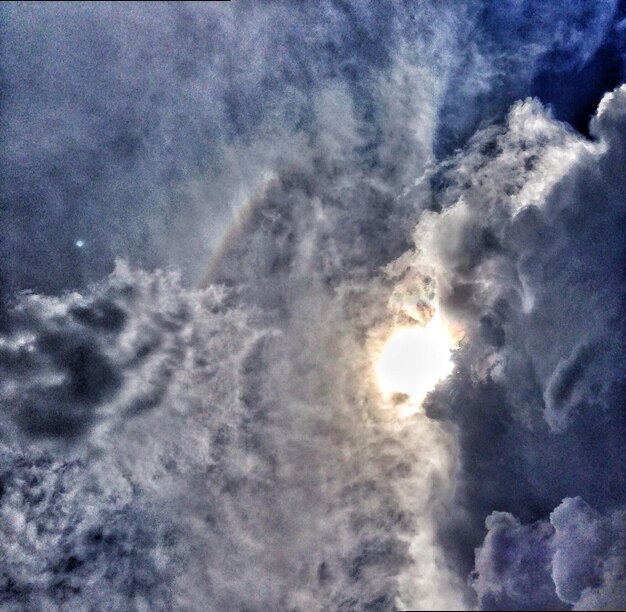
(414, 359)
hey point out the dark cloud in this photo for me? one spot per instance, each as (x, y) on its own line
(136, 129)
(567, 56)
(577, 559)
(538, 399)
(572, 87)
(72, 361)
(66, 540)
(226, 446)
(513, 566)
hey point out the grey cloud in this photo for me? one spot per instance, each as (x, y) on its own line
(512, 569)
(510, 44)
(244, 413)
(538, 394)
(73, 362)
(576, 559)
(561, 390)
(137, 128)
(265, 455)
(586, 543)
(66, 540)
(210, 427)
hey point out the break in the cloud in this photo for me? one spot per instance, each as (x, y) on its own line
(226, 445)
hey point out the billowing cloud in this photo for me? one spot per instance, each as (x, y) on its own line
(576, 558)
(531, 263)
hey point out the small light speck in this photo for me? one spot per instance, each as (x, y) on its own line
(80, 244)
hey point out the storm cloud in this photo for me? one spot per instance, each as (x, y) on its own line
(208, 215)
(541, 371)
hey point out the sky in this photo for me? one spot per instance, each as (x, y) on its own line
(313, 305)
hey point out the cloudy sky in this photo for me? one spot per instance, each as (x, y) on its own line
(313, 305)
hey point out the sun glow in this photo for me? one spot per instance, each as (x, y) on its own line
(414, 359)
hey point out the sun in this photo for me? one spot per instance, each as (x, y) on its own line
(414, 359)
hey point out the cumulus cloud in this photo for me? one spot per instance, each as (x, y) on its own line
(576, 558)
(513, 566)
(525, 254)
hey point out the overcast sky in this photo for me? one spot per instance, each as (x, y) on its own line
(214, 216)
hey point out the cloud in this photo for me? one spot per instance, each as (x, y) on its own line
(76, 362)
(577, 559)
(66, 539)
(513, 566)
(589, 552)
(143, 129)
(218, 448)
(525, 254)
(226, 445)
(177, 110)
(512, 49)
